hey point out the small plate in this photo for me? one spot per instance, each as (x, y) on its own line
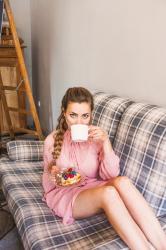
(56, 178)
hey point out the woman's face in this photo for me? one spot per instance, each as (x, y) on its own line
(78, 113)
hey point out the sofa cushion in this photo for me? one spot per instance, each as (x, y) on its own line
(140, 143)
(108, 110)
(25, 150)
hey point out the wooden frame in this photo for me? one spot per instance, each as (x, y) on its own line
(25, 87)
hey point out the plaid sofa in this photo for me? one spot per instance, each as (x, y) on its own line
(138, 134)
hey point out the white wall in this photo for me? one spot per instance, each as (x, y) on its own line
(113, 45)
(22, 18)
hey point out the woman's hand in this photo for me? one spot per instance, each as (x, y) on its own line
(53, 169)
(97, 133)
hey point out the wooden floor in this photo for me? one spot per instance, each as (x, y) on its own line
(9, 237)
(11, 241)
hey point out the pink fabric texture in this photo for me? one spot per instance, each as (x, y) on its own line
(89, 158)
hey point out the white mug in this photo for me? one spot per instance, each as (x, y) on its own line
(79, 132)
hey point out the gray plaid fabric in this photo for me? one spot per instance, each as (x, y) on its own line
(23, 150)
(108, 110)
(140, 143)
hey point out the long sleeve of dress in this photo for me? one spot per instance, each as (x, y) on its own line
(108, 165)
(48, 148)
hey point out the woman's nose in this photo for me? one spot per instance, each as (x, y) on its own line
(79, 120)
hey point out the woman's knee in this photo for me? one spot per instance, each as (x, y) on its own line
(121, 181)
(109, 194)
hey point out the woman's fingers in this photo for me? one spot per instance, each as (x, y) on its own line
(93, 130)
(97, 133)
(54, 170)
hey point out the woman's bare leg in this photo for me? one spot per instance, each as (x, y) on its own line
(140, 211)
(107, 198)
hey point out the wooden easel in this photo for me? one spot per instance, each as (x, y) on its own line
(25, 82)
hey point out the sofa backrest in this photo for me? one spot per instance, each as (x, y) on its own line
(140, 142)
(108, 110)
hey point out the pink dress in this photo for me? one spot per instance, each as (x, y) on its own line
(86, 156)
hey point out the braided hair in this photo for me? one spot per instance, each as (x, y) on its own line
(75, 94)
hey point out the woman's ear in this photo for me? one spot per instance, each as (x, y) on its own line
(63, 111)
(64, 114)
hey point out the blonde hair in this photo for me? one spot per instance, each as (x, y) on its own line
(78, 95)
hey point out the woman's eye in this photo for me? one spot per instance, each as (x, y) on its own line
(72, 115)
(85, 116)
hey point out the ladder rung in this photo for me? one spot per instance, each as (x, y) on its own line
(8, 63)
(12, 88)
(22, 111)
(24, 130)
(8, 88)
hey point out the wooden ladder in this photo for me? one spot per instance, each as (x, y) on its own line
(26, 86)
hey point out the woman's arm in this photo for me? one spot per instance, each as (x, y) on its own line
(48, 162)
(48, 149)
(108, 161)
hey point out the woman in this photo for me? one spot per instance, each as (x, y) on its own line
(103, 189)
